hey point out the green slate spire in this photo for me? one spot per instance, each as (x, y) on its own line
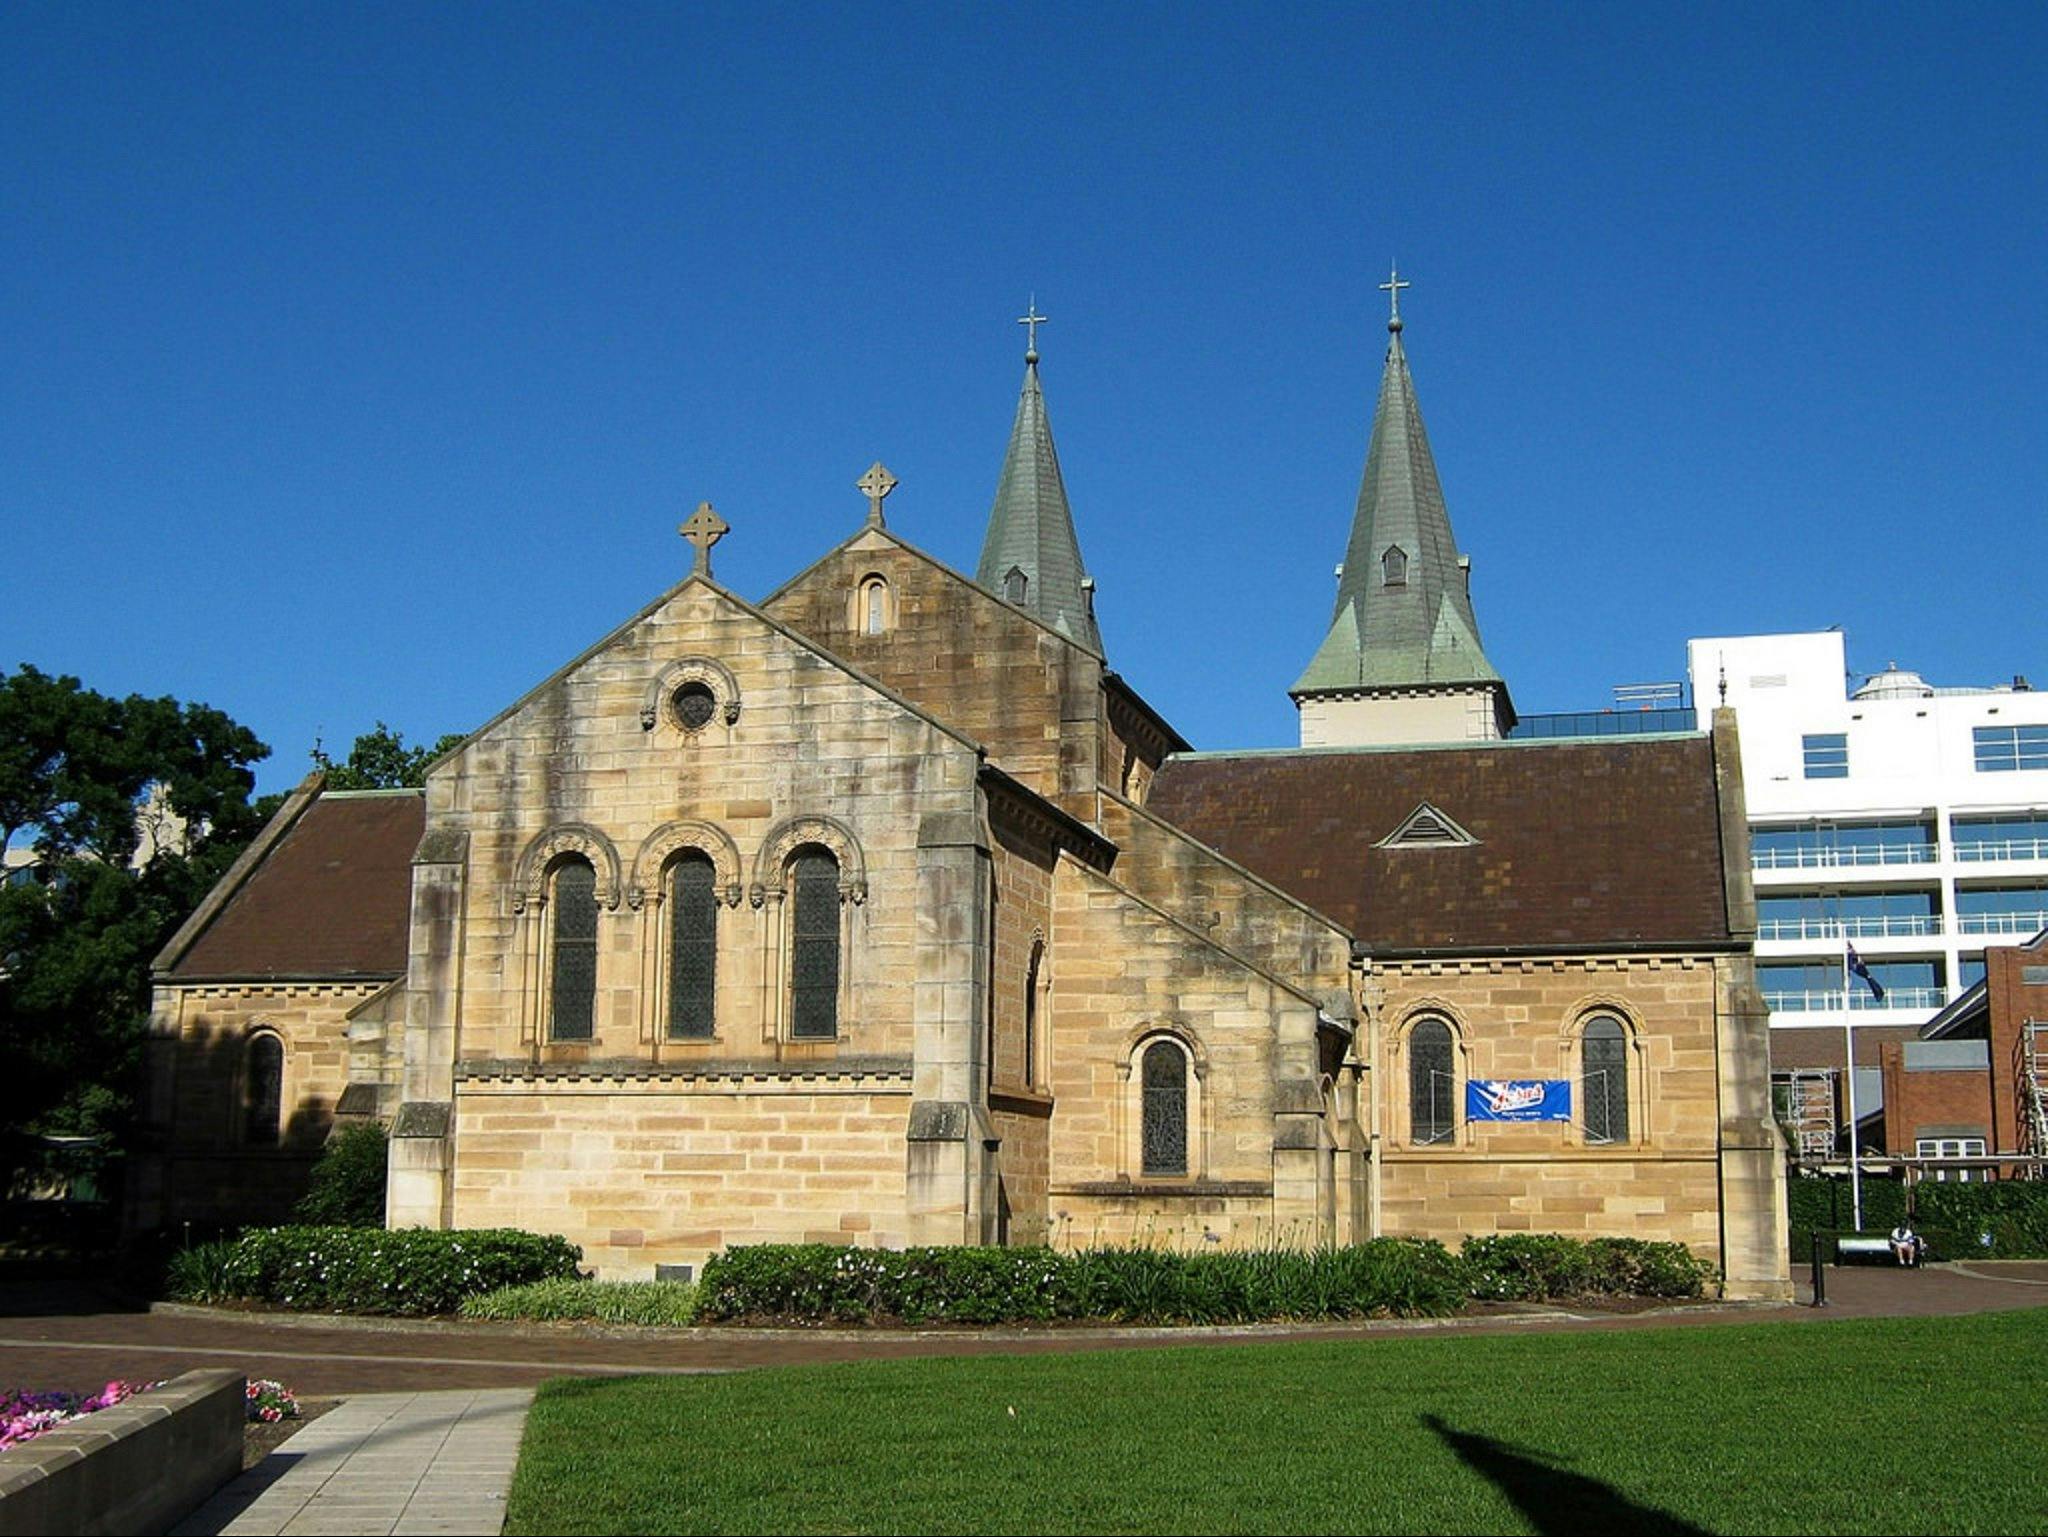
(1030, 555)
(1404, 609)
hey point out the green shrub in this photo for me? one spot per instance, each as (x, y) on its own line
(346, 1187)
(1537, 1267)
(1526, 1267)
(200, 1273)
(368, 1270)
(821, 1283)
(669, 1303)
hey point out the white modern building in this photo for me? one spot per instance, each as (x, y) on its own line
(1907, 820)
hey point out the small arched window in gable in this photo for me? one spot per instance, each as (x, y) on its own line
(872, 608)
(693, 947)
(1603, 1079)
(263, 1091)
(1016, 585)
(572, 903)
(1163, 1071)
(1432, 1083)
(1394, 567)
(814, 945)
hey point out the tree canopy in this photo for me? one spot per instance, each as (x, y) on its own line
(380, 760)
(84, 776)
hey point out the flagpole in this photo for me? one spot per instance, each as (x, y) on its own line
(1849, 1057)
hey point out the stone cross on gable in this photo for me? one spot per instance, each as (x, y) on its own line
(703, 529)
(877, 483)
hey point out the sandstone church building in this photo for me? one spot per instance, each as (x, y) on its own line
(884, 911)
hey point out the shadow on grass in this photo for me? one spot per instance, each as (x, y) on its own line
(1553, 1500)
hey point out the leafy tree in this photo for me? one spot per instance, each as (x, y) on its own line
(80, 772)
(346, 1187)
(380, 760)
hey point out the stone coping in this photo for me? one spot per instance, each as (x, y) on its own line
(140, 1466)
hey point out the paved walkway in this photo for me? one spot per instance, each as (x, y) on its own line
(63, 1337)
(378, 1464)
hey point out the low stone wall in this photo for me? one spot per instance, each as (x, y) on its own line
(141, 1466)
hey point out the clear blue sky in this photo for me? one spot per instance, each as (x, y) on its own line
(361, 361)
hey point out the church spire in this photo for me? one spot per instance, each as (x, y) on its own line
(1404, 619)
(1030, 555)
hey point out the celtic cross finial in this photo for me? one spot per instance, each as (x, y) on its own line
(1031, 320)
(1392, 288)
(877, 483)
(703, 528)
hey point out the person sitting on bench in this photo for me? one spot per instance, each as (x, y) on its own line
(1907, 1245)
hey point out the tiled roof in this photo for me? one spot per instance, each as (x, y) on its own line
(332, 897)
(1579, 844)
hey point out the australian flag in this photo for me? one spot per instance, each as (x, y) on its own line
(1858, 969)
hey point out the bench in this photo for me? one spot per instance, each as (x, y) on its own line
(1850, 1245)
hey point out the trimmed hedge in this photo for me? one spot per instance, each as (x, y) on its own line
(367, 1270)
(1954, 1218)
(1386, 1277)
(667, 1303)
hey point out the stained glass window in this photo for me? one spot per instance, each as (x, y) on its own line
(1604, 1084)
(574, 904)
(1432, 1110)
(1164, 1074)
(695, 704)
(693, 947)
(264, 1091)
(876, 596)
(814, 946)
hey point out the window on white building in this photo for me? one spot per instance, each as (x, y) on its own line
(1827, 755)
(2009, 749)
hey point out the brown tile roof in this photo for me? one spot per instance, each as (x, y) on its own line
(332, 898)
(1581, 844)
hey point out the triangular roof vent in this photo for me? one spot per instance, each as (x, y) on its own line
(1427, 828)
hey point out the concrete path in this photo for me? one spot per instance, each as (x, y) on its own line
(381, 1463)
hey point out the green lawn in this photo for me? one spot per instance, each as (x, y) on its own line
(1865, 1426)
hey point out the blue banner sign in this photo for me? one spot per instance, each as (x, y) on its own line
(1518, 1099)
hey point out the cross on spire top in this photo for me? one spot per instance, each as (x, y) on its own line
(1031, 320)
(703, 528)
(1392, 288)
(877, 483)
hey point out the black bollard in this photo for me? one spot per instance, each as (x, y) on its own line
(1820, 1276)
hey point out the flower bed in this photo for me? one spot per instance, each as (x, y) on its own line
(1385, 1277)
(25, 1415)
(367, 1270)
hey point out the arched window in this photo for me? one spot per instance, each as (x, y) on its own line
(1603, 1079)
(1432, 1083)
(1164, 1073)
(263, 1091)
(873, 611)
(693, 947)
(1031, 1012)
(1394, 567)
(572, 897)
(814, 945)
